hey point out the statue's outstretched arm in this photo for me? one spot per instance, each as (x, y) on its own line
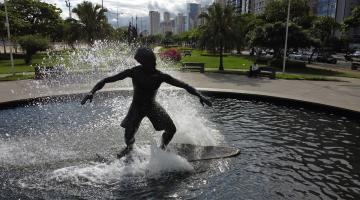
(120, 76)
(177, 83)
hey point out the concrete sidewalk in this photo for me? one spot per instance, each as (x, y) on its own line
(339, 94)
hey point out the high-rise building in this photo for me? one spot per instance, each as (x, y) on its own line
(193, 11)
(245, 6)
(338, 9)
(166, 24)
(237, 4)
(173, 25)
(180, 23)
(326, 8)
(154, 22)
(166, 16)
(204, 9)
(258, 6)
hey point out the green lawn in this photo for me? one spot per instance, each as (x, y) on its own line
(230, 62)
(320, 72)
(243, 63)
(19, 65)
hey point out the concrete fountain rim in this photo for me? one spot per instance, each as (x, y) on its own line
(215, 92)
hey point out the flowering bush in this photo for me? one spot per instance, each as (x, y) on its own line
(171, 54)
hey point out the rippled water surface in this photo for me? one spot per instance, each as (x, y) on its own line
(286, 153)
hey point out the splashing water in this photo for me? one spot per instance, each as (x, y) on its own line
(57, 133)
(146, 161)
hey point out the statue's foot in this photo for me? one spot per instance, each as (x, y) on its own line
(163, 147)
(125, 151)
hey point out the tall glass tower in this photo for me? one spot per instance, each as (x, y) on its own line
(193, 11)
(326, 8)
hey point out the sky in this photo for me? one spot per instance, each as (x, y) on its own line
(132, 8)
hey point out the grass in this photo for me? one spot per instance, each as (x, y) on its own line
(20, 65)
(17, 77)
(212, 62)
(231, 62)
(320, 72)
(279, 75)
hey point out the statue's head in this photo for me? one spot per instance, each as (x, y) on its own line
(146, 57)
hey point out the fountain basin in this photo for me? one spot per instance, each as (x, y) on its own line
(290, 149)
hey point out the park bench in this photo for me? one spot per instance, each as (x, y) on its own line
(186, 53)
(193, 66)
(263, 71)
(355, 65)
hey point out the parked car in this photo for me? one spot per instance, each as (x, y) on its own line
(326, 59)
(294, 56)
(314, 56)
(304, 56)
(356, 54)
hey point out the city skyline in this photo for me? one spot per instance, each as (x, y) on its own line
(130, 8)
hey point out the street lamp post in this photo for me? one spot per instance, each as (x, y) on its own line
(286, 36)
(68, 4)
(9, 38)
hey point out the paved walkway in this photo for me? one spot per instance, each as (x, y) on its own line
(340, 94)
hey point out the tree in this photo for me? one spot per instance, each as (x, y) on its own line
(219, 28)
(3, 33)
(93, 19)
(354, 19)
(324, 28)
(72, 31)
(33, 17)
(276, 11)
(190, 37)
(168, 39)
(32, 44)
(243, 25)
(120, 34)
(272, 36)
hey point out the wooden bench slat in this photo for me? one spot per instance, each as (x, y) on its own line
(193, 65)
(267, 71)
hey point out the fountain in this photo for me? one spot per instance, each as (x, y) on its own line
(287, 153)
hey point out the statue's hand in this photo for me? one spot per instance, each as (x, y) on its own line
(206, 101)
(87, 97)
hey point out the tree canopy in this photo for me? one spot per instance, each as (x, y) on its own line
(93, 19)
(272, 36)
(324, 27)
(218, 29)
(32, 17)
(354, 19)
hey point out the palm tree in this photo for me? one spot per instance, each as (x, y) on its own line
(92, 18)
(219, 28)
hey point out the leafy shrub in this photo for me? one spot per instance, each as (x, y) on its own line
(171, 54)
(262, 60)
(32, 44)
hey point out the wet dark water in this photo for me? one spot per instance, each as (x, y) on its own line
(286, 153)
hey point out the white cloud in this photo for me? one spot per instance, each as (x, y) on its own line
(131, 8)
